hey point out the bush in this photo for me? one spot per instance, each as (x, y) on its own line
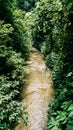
(15, 46)
(21, 42)
(53, 35)
(12, 77)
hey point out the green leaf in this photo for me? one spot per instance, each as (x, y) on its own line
(69, 128)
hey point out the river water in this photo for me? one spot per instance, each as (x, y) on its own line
(38, 92)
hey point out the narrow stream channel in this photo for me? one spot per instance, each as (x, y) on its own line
(38, 93)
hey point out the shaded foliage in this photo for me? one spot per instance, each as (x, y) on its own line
(6, 10)
(26, 5)
(14, 50)
(49, 26)
(53, 36)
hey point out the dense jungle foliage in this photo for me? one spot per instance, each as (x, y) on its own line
(53, 36)
(26, 4)
(14, 49)
(48, 26)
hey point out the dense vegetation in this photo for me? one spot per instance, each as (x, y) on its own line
(49, 26)
(26, 4)
(14, 50)
(53, 36)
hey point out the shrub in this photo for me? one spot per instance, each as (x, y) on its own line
(12, 77)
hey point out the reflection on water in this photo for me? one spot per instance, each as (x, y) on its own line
(38, 93)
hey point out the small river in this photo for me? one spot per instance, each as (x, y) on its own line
(38, 92)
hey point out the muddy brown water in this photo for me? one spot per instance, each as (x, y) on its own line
(38, 94)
